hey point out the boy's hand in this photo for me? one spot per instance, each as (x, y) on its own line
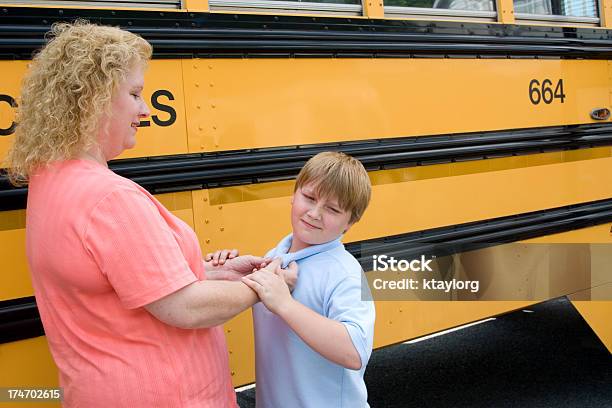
(270, 287)
(289, 275)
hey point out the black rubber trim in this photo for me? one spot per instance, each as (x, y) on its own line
(210, 170)
(19, 320)
(176, 34)
(19, 317)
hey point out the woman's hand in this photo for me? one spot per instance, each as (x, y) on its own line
(235, 268)
(226, 264)
(220, 256)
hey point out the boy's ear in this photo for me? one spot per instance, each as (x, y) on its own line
(348, 227)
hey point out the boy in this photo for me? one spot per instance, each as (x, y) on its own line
(312, 348)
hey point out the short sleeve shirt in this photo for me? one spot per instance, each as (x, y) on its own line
(290, 372)
(99, 248)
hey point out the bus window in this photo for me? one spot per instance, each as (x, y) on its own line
(442, 9)
(167, 4)
(562, 10)
(343, 7)
(476, 5)
(317, 1)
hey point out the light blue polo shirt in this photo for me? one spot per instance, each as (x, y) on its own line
(289, 372)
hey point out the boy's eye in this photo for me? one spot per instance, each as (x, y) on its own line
(334, 210)
(308, 197)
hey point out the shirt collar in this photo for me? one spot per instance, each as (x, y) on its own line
(281, 250)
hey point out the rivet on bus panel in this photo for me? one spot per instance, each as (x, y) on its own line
(208, 241)
(220, 207)
(221, 229)
(206, 221)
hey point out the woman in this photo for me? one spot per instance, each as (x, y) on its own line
(129, 315)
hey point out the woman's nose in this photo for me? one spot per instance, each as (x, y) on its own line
(145, 112)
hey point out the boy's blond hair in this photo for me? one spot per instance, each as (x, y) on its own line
(338, 175)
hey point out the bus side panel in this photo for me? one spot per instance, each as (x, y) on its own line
(404, 205)
(597, 315)
(249, 103)
(164, 133)
(28, 363)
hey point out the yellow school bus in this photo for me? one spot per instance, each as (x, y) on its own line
(484, 125)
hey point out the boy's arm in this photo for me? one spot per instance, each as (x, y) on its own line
(326, 336)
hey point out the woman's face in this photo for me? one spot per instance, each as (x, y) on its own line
(118, 131)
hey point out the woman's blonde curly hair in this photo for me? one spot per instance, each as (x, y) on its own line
(67, 88)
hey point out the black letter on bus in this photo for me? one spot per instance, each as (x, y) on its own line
(11, 129)
(164, 108)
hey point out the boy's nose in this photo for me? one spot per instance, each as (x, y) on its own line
(315, 212)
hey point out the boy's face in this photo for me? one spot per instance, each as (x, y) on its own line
(316, 220)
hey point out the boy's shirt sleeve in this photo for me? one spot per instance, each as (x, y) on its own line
(344, 305)
(135, 249)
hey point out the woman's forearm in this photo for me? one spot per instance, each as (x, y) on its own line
(326, 336)
(202, 304)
